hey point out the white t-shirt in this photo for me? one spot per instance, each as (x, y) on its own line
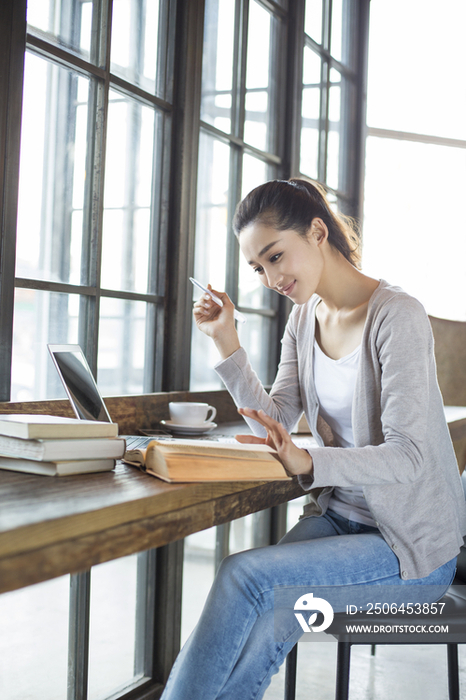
(335, 381)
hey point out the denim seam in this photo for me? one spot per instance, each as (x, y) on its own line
(281, 645)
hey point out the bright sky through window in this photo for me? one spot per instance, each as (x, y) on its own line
(414, 227)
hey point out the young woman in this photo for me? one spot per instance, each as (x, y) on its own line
(386, 504)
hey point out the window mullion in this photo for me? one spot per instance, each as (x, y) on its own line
(324, 92)
(240, 67)
(145, 614)
(361, 36)
(93, 217)
(168, 595)
(222, 544)
(12, 41)
(323, 122)
(234, 195)
(236, 152)
(183, 189)
(326, 24)
(293, 89)
(157, 253)
(79, 625)
(93, 200)
(166, 53)
(101, 33)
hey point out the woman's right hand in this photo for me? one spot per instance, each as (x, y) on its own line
(217, 321)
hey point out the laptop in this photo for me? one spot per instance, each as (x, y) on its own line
(82, 390)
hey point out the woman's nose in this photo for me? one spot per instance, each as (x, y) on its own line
(274, 279)
(268, 279)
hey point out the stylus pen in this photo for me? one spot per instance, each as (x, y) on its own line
(239, 316)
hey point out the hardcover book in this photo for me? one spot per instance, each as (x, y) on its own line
(191, 461)
(28, 426)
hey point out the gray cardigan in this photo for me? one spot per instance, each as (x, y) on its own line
(403, 456)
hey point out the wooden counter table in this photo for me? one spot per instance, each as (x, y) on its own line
(50, 526)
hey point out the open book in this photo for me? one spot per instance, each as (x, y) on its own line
(191, 460)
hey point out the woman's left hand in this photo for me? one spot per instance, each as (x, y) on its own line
(294, 459)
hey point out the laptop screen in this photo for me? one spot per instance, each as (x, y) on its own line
(79, 383)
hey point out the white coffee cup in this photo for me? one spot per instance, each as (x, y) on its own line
(190, 413)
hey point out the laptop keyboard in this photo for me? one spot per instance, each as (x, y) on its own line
(136, 442)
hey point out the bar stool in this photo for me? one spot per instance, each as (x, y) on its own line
(453, 615)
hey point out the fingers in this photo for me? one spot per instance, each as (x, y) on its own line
(205, 309)
(205, 305)
(273, 427)
(261, 417)
(204, 302)
(295, 460)
(222, 295)
(250, 439)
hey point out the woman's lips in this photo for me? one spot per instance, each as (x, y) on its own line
(288, 289)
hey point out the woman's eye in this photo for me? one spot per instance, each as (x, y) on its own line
(275, 257)
(259, 270)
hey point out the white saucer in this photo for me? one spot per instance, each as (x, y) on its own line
(181, 429)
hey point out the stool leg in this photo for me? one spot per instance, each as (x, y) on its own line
(453, 676)
(290, 673)
(343, 671)
(373, 647)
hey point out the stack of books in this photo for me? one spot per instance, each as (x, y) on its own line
(56, 446)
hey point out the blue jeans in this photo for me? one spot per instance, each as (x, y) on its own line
(235, 649)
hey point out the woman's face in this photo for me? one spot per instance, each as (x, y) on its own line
(285, 261)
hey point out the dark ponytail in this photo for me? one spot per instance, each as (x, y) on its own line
(293, 204)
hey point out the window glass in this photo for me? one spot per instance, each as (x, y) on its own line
(127, 200)
(310, 113)
(217, 63)
(210, 248)
(112, 626)
(52, 172)
(135, 41)
(255, 335)
(241, 536)
(34, 641)
(251, 531)
(255, 173)
(212, 212)
(251, 291)
(40, 318)
(294, 510)
(124, 333)
(421, 89)
(198, 576)
(204, 356)
(313, 20)
(68, 22)
(406, 240)
(260, 83)
(335, 129)
(337, 29)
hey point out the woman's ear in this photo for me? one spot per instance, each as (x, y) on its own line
(319, 231)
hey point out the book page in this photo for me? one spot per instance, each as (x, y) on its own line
(225, 443)
(213, 449)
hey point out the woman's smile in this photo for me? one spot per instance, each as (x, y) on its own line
(287, 291)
